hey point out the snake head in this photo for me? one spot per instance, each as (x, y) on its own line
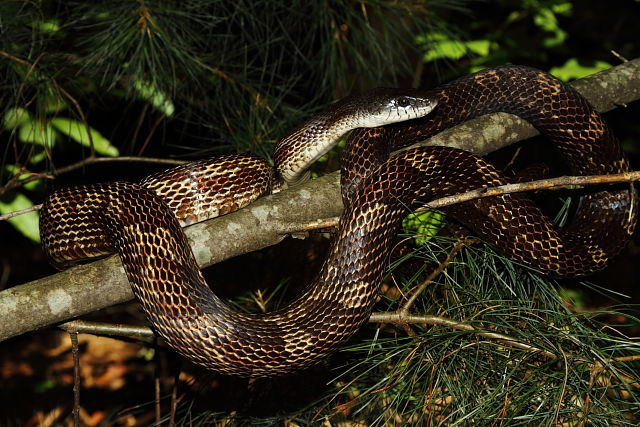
(377, 107)
(383, 106)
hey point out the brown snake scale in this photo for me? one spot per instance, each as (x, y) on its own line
(139, 222)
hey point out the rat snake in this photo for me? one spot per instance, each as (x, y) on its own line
(142, 222)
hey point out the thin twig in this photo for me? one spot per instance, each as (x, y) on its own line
(398, 318)
(435, 273)
(147, 140)
(563, 390)
(16, 183)
(174, 400)
(563, 182)
(619, 56)
(141, 333)
(15, 58)
(92, 160)
(20, 212)
(313, 225)
(156, 382)
(632, 358)
(83, 118)
(136, 130)
(511, 162)
(76, 377)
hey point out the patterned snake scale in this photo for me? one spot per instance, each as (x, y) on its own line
(141, 222)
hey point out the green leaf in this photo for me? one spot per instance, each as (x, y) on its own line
(149, 92)
(26, 224)
(450, 49)
(514, 16)
(51, 26)
(38, 157)
(441, 46)
(14, 117)
(479, 47)
(562, 8)
(44, 386)
(573, 70)
(35, 131)
(424, 225)
(546, 20)
(77, 131)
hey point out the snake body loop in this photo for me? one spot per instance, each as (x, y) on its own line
(141, 222)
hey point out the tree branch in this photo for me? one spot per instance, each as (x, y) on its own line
(568, 182)
(86, 288)
(100, 284)
(403, 318)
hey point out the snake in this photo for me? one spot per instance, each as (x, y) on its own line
(142, 222)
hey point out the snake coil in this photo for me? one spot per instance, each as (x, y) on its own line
(142, 222)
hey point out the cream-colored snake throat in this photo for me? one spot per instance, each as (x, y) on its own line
(142, 222)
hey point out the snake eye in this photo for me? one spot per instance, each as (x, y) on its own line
(403, 102)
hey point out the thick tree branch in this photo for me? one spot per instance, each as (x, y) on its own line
(100, 284)
(89, 287)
